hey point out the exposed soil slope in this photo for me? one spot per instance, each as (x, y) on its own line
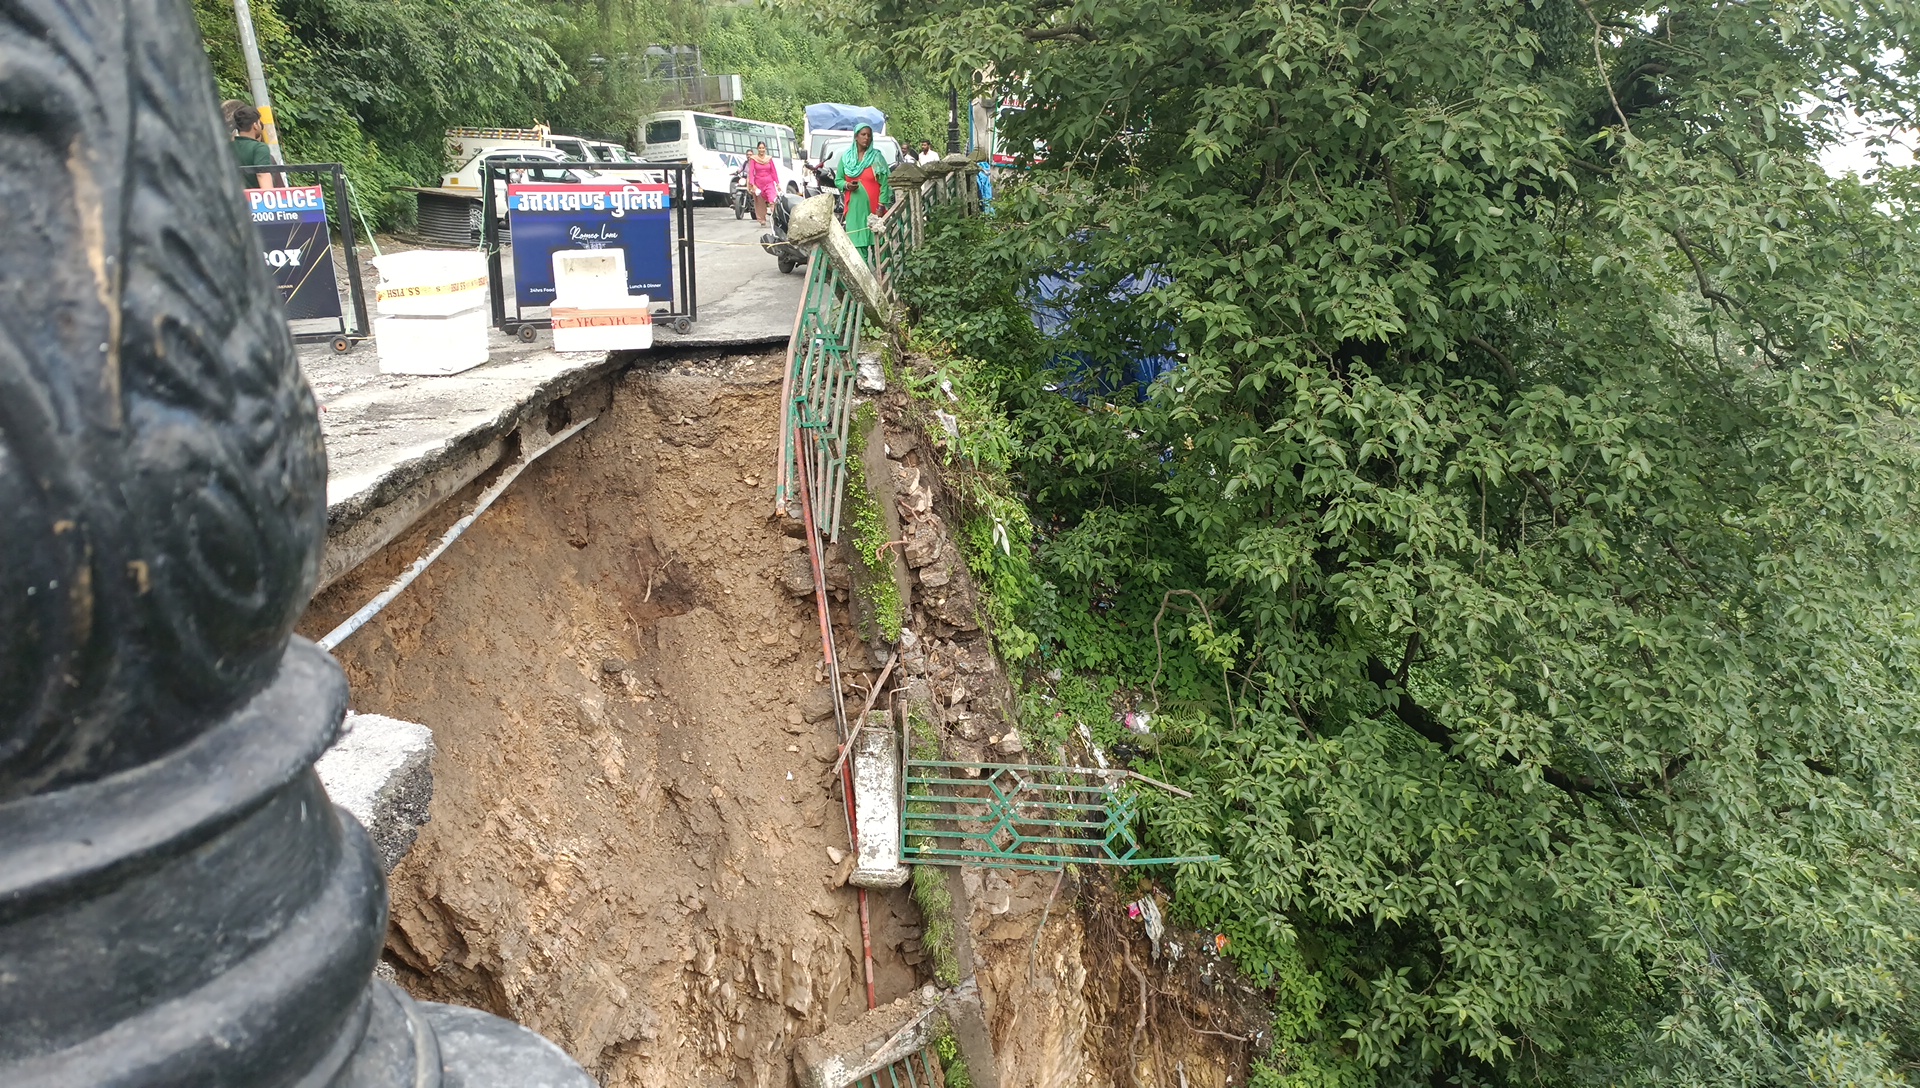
(629, 848)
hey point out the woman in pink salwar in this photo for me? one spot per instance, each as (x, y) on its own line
(764, 180)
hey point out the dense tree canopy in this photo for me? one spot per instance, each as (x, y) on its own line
(1537, 490)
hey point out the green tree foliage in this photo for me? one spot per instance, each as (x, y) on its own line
(1544, 453)
(376, 83)
(603, 45)
(795, 53)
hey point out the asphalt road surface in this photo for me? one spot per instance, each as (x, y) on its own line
(743, 295)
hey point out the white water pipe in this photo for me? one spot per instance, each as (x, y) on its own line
(372, 608)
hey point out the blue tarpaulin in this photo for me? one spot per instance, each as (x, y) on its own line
(838, 117)
(1051, 305)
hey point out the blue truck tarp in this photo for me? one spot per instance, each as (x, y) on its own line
(839, 117)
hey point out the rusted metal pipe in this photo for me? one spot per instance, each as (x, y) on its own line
(839, 707)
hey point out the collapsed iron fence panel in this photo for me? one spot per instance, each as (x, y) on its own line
(1020, 816)
(918, 1070)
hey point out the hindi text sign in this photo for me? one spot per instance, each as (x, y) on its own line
(546, 219)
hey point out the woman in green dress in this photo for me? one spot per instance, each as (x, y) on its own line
(861, 174)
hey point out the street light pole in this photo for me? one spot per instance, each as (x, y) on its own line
(257, 76)
(953, 120)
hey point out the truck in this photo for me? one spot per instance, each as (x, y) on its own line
(467, 148)
(827, 120)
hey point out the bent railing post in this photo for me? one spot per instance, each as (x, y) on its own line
(180, 903)
(814, 225)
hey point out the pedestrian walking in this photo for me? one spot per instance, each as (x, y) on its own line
(764, 179)
(861, 174)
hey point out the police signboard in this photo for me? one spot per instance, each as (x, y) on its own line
(293, 232)
(545, 219)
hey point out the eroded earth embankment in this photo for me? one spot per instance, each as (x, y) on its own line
(629, 845)
(635, 848)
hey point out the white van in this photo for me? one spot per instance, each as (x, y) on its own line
(716, 145)
(835, 145)
(468, 147)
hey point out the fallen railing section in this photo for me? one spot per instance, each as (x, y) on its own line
(1020, 816)
(817, 395)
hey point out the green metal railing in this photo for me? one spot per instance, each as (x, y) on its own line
(893, 238)
(921, 1070)
(822, 358)
(822, 366)
(1020, 816)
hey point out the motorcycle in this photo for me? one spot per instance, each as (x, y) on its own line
(775, 241)
(741, 194)
(823, 175)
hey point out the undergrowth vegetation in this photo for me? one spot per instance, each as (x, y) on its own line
(873, 580)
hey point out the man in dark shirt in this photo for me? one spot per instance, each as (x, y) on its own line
(247, 146)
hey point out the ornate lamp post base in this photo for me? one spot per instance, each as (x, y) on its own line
(210, 918)
(180, 903)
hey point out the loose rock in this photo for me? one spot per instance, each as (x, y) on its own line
(816, 704)
(796, 573)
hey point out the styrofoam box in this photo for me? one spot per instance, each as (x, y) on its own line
(590, 277)
(627, 326)
(443, 344)
(430, 282)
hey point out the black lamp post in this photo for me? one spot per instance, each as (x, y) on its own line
(180, 904)
(953, 121)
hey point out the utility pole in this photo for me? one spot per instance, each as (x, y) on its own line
(953, 118)
(257, 76)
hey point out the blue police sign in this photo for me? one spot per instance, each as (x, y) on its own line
(548, 218)
(292, 223)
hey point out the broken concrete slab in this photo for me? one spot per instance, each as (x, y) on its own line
(381, 770)
(871, 376)
(876, 804)
(879, 1038)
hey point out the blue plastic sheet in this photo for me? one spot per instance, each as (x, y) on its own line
(1052, 309)
(839, 117)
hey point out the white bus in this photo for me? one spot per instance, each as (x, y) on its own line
(716, 145)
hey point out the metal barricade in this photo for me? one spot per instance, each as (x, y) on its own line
(681, 309)
(343, 336)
